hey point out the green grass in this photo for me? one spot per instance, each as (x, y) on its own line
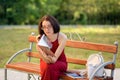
(13, 40)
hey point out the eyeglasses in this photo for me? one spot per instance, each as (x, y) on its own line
(44, 28)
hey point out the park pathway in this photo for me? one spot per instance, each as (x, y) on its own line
(15, 75)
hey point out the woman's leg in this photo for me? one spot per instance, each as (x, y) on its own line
(53, 71)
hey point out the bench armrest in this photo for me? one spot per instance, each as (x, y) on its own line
(98, 68)
(17, 53)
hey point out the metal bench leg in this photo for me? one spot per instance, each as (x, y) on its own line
(29, 77)
(39, 78)
(5, 74)
(112, 73)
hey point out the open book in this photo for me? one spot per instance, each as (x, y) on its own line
(74, 75)
(44, 42)
(45, 45)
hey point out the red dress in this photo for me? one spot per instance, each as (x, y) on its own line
(54, 70)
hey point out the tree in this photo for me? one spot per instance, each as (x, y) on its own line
(66, 11)
(26, 11)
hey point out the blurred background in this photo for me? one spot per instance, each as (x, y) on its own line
(25, 12)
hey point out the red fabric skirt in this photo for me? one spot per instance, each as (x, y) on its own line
(52, 71)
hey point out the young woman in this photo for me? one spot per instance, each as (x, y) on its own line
(52, 66)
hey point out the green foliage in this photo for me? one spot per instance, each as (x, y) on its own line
(66, 11)
(104, 12)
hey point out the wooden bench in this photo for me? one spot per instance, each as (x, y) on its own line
(34, 68)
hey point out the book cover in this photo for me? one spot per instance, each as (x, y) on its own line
(74, 75)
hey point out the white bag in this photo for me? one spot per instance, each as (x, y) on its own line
(93, 62)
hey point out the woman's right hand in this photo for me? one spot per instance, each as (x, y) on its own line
(43, 55)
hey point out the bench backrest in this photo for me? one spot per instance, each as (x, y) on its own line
(82, 45)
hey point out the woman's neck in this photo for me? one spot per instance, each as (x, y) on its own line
(53, 37)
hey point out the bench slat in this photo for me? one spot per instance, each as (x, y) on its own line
(33, 54)
(25, 66)
(85, 45)
(92, 46)
(32, 38)
(76, 61)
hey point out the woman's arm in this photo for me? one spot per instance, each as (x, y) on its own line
(43, 55)
(62, 42)
(47, 50)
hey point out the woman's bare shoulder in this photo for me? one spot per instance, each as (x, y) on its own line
(62, 36)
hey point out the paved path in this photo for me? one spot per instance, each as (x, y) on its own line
(15, 75)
